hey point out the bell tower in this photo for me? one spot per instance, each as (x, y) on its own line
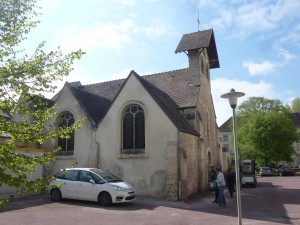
(201, 50)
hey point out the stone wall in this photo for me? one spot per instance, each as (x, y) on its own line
(188, 165)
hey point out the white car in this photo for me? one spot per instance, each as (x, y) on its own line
(265, 171)
(90, 184)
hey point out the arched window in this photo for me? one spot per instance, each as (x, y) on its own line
(66, 144)
(134, 128)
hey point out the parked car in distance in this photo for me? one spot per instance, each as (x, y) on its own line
(265, 171)
(285, 171)
(90, 184)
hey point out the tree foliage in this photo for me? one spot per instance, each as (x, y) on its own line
(265, 131)
(23, 80)
(295, 105)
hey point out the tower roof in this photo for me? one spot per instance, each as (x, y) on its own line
(198, 40)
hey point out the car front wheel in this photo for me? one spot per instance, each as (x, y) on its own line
(55, 194)
(104, 199)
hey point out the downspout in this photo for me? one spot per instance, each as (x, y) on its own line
(94, 142)
(94, 126)
(93, 157)
(179, 167)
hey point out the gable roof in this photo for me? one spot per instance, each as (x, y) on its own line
(198, 40)
(226, 127)
(170, 108)
(90, 97)
(174, 83)
(94, 106)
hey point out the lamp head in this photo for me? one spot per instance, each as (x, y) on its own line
(232, 97)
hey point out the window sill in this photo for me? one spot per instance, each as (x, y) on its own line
(132, 153)
(65, 155)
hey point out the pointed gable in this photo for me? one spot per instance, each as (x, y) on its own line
(226, 127)
(94, 106)
(170, 108)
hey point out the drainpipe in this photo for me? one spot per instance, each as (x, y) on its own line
(94, 142)
(179, 167)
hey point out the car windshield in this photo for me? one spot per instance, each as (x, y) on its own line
(247, 168)
(265, 168)
(108, 177)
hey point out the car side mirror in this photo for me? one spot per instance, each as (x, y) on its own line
(92, 181)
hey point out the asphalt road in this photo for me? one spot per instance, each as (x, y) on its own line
(276, 200)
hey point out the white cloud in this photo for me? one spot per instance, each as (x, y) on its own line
(156, 28)
(126, 2)
(248, 18)
(292, 38)
(262, 68)
(267, 67)
(111, 35)
(221, 86)
(287, 56)
(255, 17)
(285, 10)
(76, 75)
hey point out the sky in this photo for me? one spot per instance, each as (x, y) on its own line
(258, 42)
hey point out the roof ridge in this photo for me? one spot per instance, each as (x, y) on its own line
(199, 31)
(91, 93)
(147, 75)
(103, 82)
(177, 70)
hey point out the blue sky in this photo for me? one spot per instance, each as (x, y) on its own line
(258, 42)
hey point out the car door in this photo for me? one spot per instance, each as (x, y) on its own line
(86, 189)
(70, 184)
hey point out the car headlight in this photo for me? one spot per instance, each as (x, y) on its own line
(118, 188)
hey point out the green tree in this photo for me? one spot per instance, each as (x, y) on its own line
(295, 105)
(23, 80)
(265, 131)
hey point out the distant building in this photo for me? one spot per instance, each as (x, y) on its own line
(225, 135)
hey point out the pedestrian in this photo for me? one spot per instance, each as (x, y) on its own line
(213, 177)
(221, 186)
(230, 182)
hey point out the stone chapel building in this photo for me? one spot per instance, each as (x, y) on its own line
(157, 132)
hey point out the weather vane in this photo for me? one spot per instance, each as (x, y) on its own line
(198, 20)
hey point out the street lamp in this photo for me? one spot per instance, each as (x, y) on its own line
(232, 97)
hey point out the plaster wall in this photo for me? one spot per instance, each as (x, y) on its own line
(147, 173)
(83, 136)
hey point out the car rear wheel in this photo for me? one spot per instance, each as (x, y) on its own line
(104, 199)
(55, 194)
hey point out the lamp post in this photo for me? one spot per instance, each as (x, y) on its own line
(232, 97)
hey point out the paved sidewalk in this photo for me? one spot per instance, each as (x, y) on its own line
(275, 201)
